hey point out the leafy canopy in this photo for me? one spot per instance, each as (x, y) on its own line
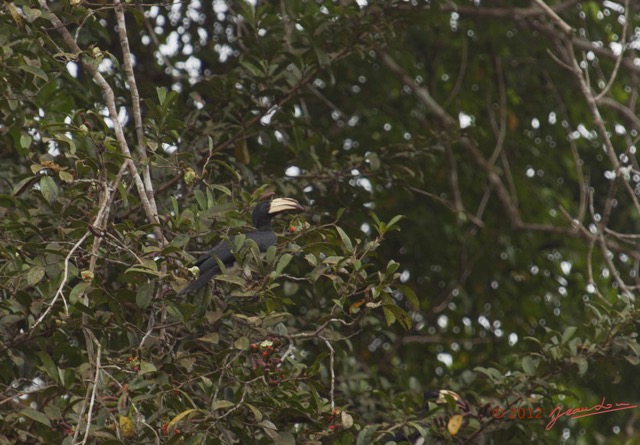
(136, 135)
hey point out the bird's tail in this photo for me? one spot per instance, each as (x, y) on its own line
(199, 282)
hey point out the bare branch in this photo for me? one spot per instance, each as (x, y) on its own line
(626, 112)
(65, 276)
(564, 26)
(135, 103)
(94, 388)
(516, 14)
(421, 92)
(623, 43)
(109, 97)
(332, 390)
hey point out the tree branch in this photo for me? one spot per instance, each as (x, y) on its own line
(109, 97)
(135, 103)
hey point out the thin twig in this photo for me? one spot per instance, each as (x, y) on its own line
(502, 129)
(564, 26)
(461, 73)
(473, 218)
(421, 92)
(93, 392)
(332, 353)
(65, 275)
(623, 43)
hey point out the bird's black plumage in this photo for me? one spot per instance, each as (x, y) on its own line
(263, 236)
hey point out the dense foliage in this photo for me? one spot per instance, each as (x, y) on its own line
(471, 186)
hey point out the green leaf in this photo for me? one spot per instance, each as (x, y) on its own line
(35, 71)
(35, 275)
(230, 169)
(568, 333)
(180, 240)
(419, 428)
(161, 92)
(389, 315)
(582, 363)
(275, 317)
(146, 368)
(270, 254)
(49, 365)
(283, 262)
(222, 404)
(394, 313)
(25, 142)
(410, 295)
(323, 58)
(23, 185)
(530, 364)
(332, 260)
(222, 188)
(242, 343)
(634, 360)
(311, 259)
(201, 199)
(144, 295)
(285, 438)
(492, 373)
(49, 189)
(77, 291)
(394, 221)
(142, 270)
(366, 435)
(65, 176)
(257, 414)
(392, 266)
(68, 141)
(346, 242)
(375, 218)
(211, 337)
(31, 13)
(533, 339)
(36, 415)
(574, 343)
(234, 279)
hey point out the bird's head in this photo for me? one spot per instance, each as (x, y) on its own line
(440, 396)
(264, 211)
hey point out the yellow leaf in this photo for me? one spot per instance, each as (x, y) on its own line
(14, 13)
(355, 307)
(179, 417)
(242, 151)
(126, 426)
(454, 424)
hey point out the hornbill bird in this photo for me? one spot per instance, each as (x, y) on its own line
(263, 236)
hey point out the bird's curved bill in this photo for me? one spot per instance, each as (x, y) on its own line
(441, 396)
(279, 205)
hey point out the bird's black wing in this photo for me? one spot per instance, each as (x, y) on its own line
(263, 238)
(222, 251)
(209, 266)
